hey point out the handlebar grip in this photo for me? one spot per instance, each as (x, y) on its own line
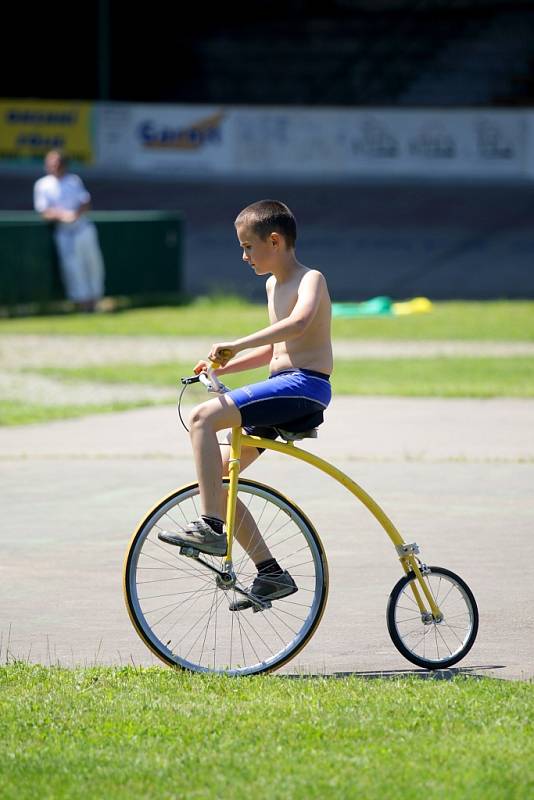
(225, 353)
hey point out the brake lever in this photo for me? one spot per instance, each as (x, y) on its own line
(212, 382)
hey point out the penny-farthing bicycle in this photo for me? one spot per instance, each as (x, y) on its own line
(179, 599)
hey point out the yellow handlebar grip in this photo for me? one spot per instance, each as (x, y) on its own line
(225, 354)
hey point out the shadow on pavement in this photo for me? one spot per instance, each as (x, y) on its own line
(394, 674)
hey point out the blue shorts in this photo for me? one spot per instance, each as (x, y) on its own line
(293, 399)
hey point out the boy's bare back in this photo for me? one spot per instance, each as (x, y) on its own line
(313, 348)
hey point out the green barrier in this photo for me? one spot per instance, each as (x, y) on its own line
(143, 255)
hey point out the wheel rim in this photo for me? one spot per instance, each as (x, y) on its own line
(436, 642)
(183, 614)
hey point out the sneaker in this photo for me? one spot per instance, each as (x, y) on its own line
(267, 587)
(200, 535)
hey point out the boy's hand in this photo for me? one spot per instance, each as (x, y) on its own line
(222, 353)
(202, 366)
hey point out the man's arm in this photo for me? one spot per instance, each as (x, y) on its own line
(309, 296)
(62, 215)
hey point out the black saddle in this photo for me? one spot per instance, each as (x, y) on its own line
(302, 427)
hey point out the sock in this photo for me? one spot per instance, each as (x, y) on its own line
(215, 523)
(269, 567)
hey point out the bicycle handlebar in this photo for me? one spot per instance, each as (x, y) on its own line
(209, 379)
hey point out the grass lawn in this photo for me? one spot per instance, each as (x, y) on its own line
(425, 377)
(417, 377)
(154, 733)
(490, 320)
(16, 413)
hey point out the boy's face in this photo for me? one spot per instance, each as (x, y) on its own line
(259, 253)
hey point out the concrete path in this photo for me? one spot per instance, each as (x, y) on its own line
(456, 476)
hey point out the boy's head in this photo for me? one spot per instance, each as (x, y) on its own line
(266, 217)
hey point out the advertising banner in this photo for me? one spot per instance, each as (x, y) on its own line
(442, 143)
(156, 138)
(381, 142)
(529, 165)
(299, 142)
(29, 128)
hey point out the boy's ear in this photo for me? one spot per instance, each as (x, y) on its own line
(275, 238)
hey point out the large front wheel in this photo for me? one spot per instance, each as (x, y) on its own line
(181, 609)
(425, 641)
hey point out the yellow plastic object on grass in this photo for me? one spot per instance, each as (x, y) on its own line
(419, 305)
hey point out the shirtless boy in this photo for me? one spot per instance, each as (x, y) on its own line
(297, 347)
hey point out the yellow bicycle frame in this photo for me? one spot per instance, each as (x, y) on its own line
(405, 551)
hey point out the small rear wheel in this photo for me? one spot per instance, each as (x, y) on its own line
(433, 643)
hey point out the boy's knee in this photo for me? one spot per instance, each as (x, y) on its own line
(199, 416)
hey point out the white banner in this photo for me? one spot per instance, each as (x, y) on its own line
(156, 138)
(262, 142)
(381, 142)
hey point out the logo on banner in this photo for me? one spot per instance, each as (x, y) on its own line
(376, 141)
(492, 142)
(185, 137)
(433, 141)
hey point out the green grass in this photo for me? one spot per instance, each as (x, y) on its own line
(425, 377)
(17, 413)
(153, 733)
(490, 320)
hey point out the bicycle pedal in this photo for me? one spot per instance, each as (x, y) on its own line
(264, 606)
(189, 552)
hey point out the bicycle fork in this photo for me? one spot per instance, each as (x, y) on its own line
(407, 557)
(231, 503)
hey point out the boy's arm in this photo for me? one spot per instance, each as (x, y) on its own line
(310, 291)
(259, 357)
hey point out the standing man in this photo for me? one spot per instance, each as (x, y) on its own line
(61, 198)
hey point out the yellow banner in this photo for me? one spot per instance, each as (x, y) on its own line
(30, 128)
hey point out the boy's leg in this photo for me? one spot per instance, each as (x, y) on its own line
(246, 531)
(206, 534)
(205, 422)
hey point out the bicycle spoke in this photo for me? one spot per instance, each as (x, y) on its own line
(183, 609)
(443, 640)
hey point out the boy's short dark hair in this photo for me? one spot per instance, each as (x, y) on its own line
(267, 216)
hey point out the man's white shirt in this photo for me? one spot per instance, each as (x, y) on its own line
(67, 193)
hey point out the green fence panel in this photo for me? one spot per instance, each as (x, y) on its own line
(143, 255)
(28, 265)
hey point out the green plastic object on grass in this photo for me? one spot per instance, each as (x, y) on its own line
(377, 306)
(382, 307)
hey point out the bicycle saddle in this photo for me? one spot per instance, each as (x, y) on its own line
(294, 437)
(301, 428)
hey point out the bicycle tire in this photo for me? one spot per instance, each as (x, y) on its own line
(263, 641)
(412, 636)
